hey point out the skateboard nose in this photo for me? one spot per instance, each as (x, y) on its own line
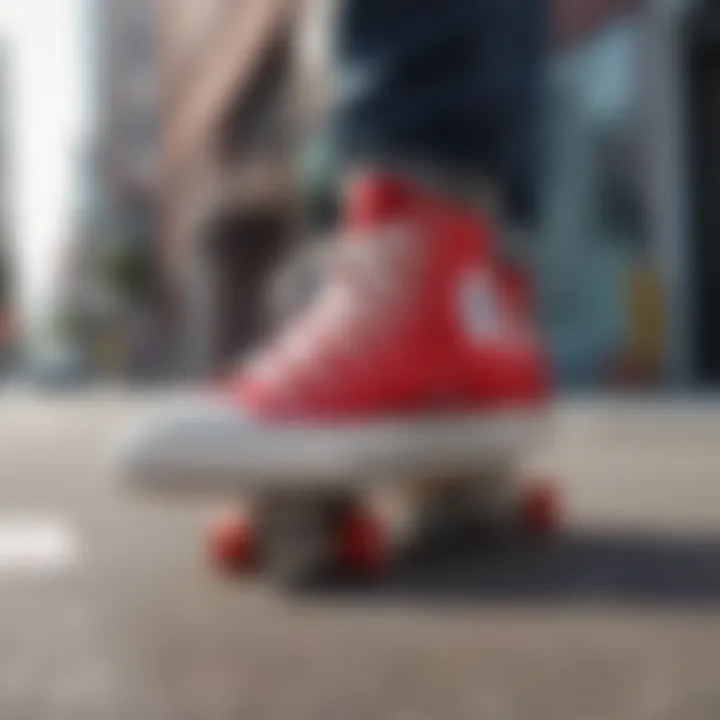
(155, 452)
(138, 456)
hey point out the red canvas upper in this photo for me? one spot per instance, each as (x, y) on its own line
(417, 317)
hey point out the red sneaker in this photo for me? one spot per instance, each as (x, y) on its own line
(416, 353)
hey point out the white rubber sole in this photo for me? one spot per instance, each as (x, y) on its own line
(216, 452)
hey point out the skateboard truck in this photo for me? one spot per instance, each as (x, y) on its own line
(293, 537)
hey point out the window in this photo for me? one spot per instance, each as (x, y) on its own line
(594, 208)
(141, 38)
(206, 16)
(141, 42)
(257, 122)
(142, 133)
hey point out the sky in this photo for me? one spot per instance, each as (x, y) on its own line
(47, 122)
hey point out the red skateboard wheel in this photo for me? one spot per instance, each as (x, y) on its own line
(232, 545)
(363, 546)
(540, 511)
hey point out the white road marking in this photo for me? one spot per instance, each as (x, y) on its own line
(36, 544)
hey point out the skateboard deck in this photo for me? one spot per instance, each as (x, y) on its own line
(304, 459)
(312, 499)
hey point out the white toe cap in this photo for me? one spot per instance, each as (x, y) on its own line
(175, 445)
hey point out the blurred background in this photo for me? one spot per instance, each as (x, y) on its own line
(158, 159)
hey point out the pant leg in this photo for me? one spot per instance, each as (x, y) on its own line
(452, 86)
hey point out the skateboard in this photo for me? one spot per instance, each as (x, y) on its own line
(354, 499)
(295, 536)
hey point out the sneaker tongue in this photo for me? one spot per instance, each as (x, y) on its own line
(373, 199)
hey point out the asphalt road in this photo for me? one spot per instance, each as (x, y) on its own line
(107, 609)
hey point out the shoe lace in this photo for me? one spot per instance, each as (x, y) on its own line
(362, 291)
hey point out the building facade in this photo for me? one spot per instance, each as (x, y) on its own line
(8, 315)
(120, 186)
(129, 121)
(629, 256)
(226, 166)
(626, 258)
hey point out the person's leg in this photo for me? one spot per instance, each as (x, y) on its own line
(450, 89)
(447, 92)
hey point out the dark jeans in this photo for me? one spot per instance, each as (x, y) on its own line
(452, 86)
